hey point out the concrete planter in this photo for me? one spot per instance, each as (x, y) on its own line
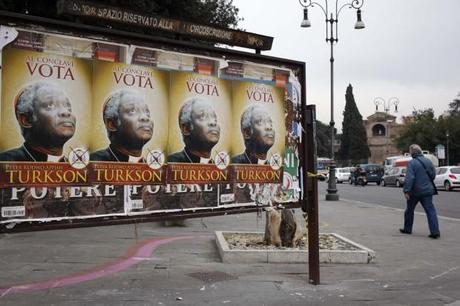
(356, 254)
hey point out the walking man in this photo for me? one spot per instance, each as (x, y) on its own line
(418, 187)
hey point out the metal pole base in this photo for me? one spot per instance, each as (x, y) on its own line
(332, 185)
(332, 197)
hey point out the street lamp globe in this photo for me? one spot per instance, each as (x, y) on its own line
(359, 23)
(305, 22)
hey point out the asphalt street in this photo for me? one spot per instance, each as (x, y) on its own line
(447, 202)
(150, 264)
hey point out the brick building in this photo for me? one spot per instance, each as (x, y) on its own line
(381, 129)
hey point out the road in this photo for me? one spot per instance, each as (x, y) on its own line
(447, 202)
(152, 264)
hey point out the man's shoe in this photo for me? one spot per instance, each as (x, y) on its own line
(403, 231)
(434, 236)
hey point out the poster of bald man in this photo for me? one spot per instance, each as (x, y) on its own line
(199, 126)
(130, 107)
(45, 103)
(260, 132)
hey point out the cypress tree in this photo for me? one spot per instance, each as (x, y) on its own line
(323, 139)
(353, 146)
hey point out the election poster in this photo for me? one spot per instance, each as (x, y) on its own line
(93, 130)
(258, 143)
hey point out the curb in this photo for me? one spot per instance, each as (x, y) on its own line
(362, 254)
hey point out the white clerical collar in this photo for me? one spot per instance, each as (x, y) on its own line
(134, 159)
(53, 158)
(204, 160)
(261, 161)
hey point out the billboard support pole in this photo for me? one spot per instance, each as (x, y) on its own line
(311, 192)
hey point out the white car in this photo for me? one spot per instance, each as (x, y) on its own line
(342, 174)
(447, 177)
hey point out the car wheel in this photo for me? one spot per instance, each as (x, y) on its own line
(447, 186)
(384, 183)
(378, 183)
(349, 181)
(398, 184)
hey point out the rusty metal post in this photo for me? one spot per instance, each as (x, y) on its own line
(311, 182)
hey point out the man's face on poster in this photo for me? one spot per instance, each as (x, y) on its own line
(263, 134)
(52, 119)
(134, 123)
(205, 129)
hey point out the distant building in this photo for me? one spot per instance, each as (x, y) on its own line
(381, 130)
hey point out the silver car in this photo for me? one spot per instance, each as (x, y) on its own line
(395, 176)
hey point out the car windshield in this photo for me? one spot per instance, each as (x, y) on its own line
(442, 171)
(455, 170)
(372, 168)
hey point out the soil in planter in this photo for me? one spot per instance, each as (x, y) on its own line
(252, 241)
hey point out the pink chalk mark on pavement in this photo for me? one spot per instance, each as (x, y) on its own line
(138, 253)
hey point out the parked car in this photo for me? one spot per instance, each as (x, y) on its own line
(322, 175)
(341, 174)
(322, 167)
(374, 173)
(395, 176)
(447, 177)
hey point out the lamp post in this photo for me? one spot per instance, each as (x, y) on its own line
(387, 107)
(393, 101)
(332, 37)
(447, 148)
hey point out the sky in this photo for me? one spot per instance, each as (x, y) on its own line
(409, 50)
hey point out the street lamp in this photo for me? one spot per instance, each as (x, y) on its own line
(387, 107)
(393, 101)
(447, 148)
(332, 37)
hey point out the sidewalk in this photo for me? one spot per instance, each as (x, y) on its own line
(143, 264)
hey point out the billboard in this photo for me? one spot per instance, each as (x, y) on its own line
(93, 129)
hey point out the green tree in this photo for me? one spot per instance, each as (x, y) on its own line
(422, 131)
(450, 125)
(428, 131)
(453, 127)
(455, 106)
(323, 139)
(353, 147)
(217, 12)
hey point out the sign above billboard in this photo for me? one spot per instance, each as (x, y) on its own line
(199, 31)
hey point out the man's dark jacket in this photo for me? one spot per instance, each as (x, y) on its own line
(243, 159)
(246, 158)
(110, 154)
(184, 156)
(21, 154)
(418, 182)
